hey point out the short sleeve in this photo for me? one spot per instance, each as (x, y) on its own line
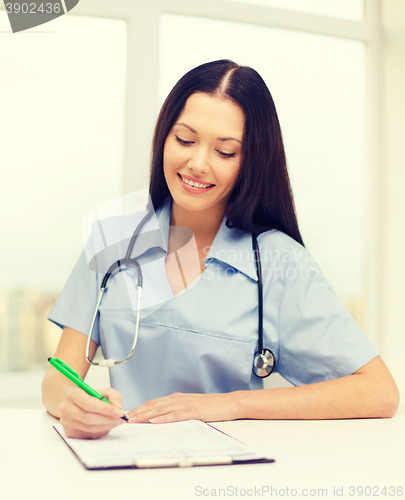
(107, 243)
(318, 338)
(75, 305)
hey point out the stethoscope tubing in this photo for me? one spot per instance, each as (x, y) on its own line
(256, 253)
(112, 268)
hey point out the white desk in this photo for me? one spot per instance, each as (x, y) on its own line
(35, 464)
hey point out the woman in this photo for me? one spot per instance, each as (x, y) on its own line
(219, 169)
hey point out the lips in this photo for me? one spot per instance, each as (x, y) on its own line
(193, 185)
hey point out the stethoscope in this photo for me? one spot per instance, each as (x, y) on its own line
(263, 361)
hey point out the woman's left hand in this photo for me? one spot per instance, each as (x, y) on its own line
(179, 406)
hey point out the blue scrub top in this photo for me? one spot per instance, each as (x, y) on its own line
(203, 340)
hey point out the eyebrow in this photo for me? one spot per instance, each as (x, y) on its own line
(218, 139)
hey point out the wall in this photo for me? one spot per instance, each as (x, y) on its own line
(393, 189)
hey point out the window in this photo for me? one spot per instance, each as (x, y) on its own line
(346, 9)
(62, 134)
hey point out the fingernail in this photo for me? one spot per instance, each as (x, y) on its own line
(133, 419)
(117, 413)
(153, 420)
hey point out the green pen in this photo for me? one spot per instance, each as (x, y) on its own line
(65, 369)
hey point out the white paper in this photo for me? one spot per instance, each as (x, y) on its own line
(126, 444)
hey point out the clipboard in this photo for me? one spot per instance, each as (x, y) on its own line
(180, 444)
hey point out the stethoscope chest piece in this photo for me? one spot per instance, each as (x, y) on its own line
(263, 364)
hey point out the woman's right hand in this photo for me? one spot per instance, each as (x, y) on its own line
(83, 416)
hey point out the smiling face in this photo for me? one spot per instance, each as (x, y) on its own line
(202, 154)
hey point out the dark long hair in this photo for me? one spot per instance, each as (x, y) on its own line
(262, 198)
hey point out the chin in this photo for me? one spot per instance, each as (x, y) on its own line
(192, 206)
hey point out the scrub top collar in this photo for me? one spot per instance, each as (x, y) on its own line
(234, 247)
(231, 246)
(155, 232)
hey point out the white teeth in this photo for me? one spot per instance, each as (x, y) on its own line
(195, 184)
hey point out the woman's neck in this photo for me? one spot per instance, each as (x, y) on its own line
(184, 266)
(203, 223)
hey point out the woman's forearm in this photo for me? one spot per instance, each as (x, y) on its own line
(70, 349)
(54, 389)
(370, 392)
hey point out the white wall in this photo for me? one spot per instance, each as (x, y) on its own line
(393, 190)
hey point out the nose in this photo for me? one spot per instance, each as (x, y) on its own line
(199, 160)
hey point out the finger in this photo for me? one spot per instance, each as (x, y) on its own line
(85, 416)
(146, 416)
(80, 429)
(93, 420)
(182, 408)
(77, 434)
(71, 412)
(158, 405)
(144, 413)
(113, 396)
(175, 416)
(79, 423)
(90, 404)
